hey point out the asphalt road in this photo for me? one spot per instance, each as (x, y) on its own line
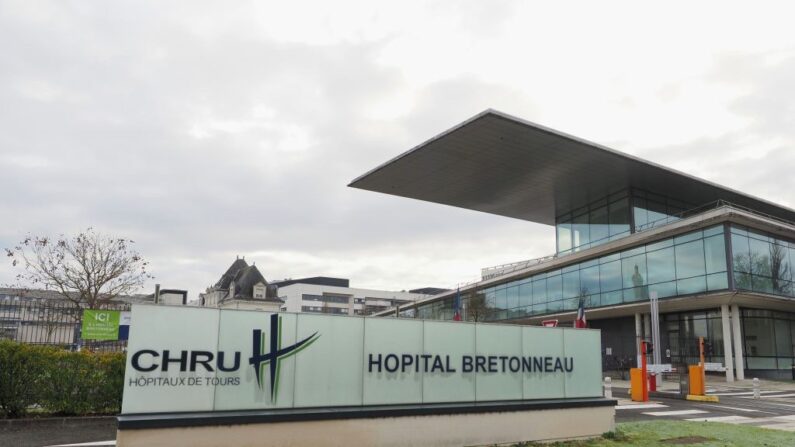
(775, 409)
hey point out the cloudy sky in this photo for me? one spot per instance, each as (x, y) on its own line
(209, 130)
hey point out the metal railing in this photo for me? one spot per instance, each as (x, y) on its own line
(50, 322)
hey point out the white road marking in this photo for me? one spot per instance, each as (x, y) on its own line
(780, 395)
(744, 393)
(87, 444)
(675, 412)
(789, 417)
(723, 407)
(639, 406)
(734, 419)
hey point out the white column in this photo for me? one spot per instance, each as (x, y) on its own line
(727, 342)
(738, 343)
(638, 336)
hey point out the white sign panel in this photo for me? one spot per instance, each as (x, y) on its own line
(196, 359)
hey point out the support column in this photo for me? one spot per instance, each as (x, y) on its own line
(638, 336)
(727, 342)
(738, 343)
(647, 326)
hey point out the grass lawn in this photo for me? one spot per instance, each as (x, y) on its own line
(681, 433)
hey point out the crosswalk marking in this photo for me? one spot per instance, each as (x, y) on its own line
(742, 393)
(733, 419)
(639, 406)
(724, 407)
(674, 412)
(768, 396)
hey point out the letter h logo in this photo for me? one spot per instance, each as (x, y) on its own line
(275, 354)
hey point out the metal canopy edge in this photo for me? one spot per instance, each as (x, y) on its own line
(501, 164)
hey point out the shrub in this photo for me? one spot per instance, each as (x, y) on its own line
(59, 381)
(21, 369)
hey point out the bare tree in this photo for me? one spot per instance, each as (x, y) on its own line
(477, 308)
(88, 269)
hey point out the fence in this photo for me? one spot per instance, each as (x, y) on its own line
(51, 322)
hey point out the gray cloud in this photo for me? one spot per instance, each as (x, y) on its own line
(201, 138)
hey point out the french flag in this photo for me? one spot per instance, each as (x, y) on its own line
(580, 322)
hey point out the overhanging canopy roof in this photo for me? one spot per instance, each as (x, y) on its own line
(504, 165)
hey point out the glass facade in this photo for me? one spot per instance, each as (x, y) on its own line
(769, 337)
(595, 224)
(688, 264)
(614, 217)
(762, 263)
(652, 210)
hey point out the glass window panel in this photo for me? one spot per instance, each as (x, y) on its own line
(580, 231)
(571, 284)
(513, 297)
(502, 299)
(656, 213)
(609, 298)
(761, 362)
(658, 245)
(661, 266)
(759, 337)
(715, 251)
(599, 224)
(554, 288)
(610, 276)
(525, 294)
(590, 263)
(741, 253)
(619, 217)
(634, 274)
(711, 231)
(664, 289)
(539, 291)
(783, 338)
(640, 213)
(570, 268)
(555, 306)
(761, 284)
(690, 259)
(737, 229)
(760, 257)
(632, 252)
(589, 280)
(717, 281)
(779, 268)
(610, 258)
(691, 285)
(564, 237)
(687, 237)
(540, 308)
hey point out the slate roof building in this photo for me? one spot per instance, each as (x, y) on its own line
(242, 286)
(719, 261)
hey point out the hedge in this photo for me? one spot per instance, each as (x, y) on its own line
(59, 381)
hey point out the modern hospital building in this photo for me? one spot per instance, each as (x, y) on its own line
(719, 261)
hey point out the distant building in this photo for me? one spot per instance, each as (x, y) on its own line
(242, 286)
(322, 294)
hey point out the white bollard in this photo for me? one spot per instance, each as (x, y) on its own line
(756, 388)
(608, 388)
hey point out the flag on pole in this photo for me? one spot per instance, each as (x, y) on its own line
(580, 321)
(457, 305)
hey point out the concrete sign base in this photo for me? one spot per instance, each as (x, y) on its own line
(411, 425)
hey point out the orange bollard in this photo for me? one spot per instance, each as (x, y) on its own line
(696, 373)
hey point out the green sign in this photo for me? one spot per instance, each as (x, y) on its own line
(100, 325)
